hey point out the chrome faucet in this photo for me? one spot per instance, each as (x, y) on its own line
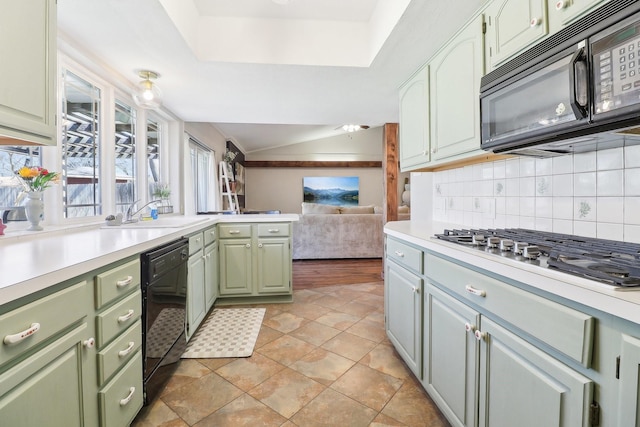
(130, 215)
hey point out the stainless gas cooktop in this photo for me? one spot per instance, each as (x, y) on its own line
(608, 261)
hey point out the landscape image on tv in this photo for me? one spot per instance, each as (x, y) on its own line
(331, 190)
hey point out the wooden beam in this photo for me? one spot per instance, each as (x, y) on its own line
(310, 164)
(390, 172)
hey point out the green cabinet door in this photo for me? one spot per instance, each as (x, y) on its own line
(274, 265)
(210, 274)
(196, 302)
(512, 26)
(451, 354)
(629, 383)
(235, 267)
(46, 389)
(564, 12)
(414, 122)
(454, 85)
(525, 387)
(403, 298)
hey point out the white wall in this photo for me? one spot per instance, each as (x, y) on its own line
(281, 188)
(593, 194)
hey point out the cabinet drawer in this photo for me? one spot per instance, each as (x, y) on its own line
(52, 313)
(117, 282)
(565, 329)
(121, 399)
(405, 255)
(116, 354)
(231, 231)
(118, 318)
(210, 235)
(196, 242)
(276, 229)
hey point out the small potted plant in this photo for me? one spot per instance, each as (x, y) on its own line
(163, 191)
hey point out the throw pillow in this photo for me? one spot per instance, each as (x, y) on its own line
(356, 209)
(317, 208)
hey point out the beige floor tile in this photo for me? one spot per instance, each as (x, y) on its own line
(287, 392)
(373, 331)
(356, 309)
(385, 359)
(285, 322)
(286, 349)
(266, 335)
(188, 370)
(370, 299)
(376, 316)
(202, 397)
(214, 364)
(243, 411)
(384, 421)
(367, 386)
(331, 409)
(349, 345)
(315, 333)
(246, 373)
(338, 320)
(306, 296)
(158, 414)
(412, 406)
(323, 366)
(309, 310)
(330, 301)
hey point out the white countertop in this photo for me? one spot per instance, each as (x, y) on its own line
(30, 263)
(623, 303)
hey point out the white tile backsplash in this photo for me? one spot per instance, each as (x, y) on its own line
(589, 194)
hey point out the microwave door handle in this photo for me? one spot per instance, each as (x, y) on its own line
(578, 79)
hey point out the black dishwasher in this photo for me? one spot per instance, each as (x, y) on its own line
(164, 303)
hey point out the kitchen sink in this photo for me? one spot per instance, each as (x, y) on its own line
(170, 222)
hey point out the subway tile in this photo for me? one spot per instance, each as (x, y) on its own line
(610, 183)
(562, 185)
(544, 207)
(544, 185)
(582, 228)
(632, 156)
(527, 206)
(610, 209)
(632, 210)
(544, 166)
(632, 233)
(487, 170)
(499, 169)
(584, 162)
(512, 168)
(544, 224)
(528, 222)
(611, 231)
(563, 208)
(528, 186)
(632, 182)
(527, 166)
(610, 159)
(512, 221)
(584, 209)
(512, 206)
(563, 226)
(584, 184)
(562, 165)
(512, 187)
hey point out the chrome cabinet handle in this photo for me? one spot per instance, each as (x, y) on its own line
(124, 282)
(15, 338)
(400, 254)
(123, 353)
(126, 400)
(126, 317)
(474, 291)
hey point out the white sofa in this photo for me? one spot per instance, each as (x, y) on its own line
(332, 232)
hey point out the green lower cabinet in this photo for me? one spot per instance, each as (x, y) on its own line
(121, 399)
(46, 389)
(629, 382)
(274, 265)
(451, 355)
(196, 304)
(522, 386)
(235, 267)
(210, 274)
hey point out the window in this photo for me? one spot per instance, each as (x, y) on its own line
(154, 153)
(80, 148)
(11, 160)
(125, 156)
(202, 177)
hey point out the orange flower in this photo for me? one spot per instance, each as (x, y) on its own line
(36, 178)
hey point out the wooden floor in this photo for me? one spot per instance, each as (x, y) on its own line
(312, 273)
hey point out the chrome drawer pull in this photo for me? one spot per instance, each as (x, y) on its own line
(400, 254)
(12, 339)
(123, 353)
(474, 291)
(125, 282)
(274, 230)
(234, 231)
(125, 317)
(127, 399)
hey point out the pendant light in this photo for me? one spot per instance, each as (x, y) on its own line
(148, 94)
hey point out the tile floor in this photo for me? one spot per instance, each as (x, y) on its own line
(323, 360)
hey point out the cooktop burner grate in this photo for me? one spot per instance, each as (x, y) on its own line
(607, 261)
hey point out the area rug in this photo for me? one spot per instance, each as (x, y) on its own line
(226, 332)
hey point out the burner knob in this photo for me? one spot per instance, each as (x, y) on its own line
(478, 239)
(493, 242)
(506, 245)
(531, 252)
(519, 247)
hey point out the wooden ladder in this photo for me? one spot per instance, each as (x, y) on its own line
(229, 198)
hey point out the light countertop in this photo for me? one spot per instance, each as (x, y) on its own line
(623, 303)
(30, 263)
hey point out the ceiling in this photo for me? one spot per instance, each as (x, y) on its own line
(267, 74)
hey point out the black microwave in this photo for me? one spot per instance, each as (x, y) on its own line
(578, 90)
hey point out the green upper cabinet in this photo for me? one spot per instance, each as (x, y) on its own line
(414, 121)
(513, 25)
(27, 76)
(454, 83)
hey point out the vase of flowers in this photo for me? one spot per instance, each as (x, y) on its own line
(34, 181)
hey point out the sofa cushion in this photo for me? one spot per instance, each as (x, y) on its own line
(403, 209)
(356, 209)
(317, 208)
